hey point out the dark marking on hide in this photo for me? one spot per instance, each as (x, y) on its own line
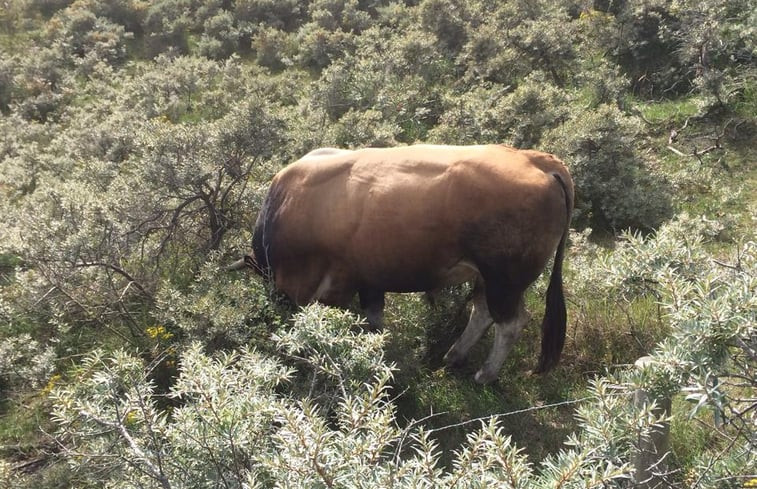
(502, 299)
(265, 227)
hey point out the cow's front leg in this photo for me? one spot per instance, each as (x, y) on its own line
(372, 304)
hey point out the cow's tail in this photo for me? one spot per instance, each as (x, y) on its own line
(555, 317)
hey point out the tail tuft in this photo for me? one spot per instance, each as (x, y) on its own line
(555, 320)
(555, 317)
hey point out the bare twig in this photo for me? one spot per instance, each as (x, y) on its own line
(726, 265)
(119, 271)
(695, 154)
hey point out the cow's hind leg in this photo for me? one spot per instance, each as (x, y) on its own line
(479, 322)
(372, 304)
(506, 334)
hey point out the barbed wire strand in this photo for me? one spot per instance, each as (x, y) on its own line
(509, 413)
(408, 429)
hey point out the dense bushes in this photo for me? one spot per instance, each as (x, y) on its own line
(137, 140)
(230, 405)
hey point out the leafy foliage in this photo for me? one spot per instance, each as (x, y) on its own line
(220, 434)
(137, 140)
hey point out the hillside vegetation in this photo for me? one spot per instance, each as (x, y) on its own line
(137, 140)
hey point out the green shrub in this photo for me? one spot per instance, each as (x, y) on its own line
(534, 107)
(238, 405)
(41, 80)
(489, 57)
(615, 188)
(87, 38)
(23, 360)
(462, 120)
(318, 47)
(273, 47)
(499, 114)
(646, 49)
(165, 28)
(279, 14)
(544, 40)
(127, 13)
(357, 129)
(219, 310)
(334, 15)
(220, 37)
(48, 7)
(445, 19)
(235, 424)
(602, 82)
(7, 83)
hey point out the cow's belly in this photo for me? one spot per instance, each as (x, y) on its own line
(418, 277)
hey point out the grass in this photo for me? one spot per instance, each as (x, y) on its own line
(669, 112)
(745, 105)
(607, 331)
(25, 445)
(690, 437)
(8, 263)
(23, 424)
(716, 176)
(454, 406)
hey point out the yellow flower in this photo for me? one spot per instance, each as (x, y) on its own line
(131, 418)
(153, 331)
(158, 332)
(51, 383)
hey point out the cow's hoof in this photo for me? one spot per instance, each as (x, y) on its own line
(485, 377)
(454, 359)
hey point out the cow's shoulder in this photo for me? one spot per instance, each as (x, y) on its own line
(316, 170)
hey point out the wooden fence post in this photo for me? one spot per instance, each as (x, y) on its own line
(650, 461)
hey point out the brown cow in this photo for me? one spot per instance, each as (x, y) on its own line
(417, 218)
